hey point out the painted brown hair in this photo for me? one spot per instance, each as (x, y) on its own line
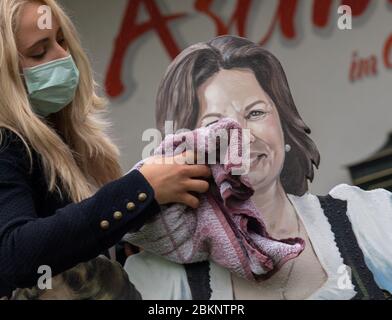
(177, 98)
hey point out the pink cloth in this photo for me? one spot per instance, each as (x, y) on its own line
(227, 228)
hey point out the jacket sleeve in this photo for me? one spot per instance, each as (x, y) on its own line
(73, 234)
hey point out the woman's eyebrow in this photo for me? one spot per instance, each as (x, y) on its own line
(254, 103)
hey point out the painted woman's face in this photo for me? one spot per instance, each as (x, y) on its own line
(236, 94)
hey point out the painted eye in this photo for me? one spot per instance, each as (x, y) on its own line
(255, 114)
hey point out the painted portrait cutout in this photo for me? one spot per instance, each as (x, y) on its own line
(262, 235)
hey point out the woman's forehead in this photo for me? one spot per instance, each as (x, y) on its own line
(28, 30)
(234, 88)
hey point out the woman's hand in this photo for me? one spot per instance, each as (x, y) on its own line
(174, 181)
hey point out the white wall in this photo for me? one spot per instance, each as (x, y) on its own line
(349, 121)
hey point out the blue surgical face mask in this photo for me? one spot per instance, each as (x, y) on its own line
(51, 86)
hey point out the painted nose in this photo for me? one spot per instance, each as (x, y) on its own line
(244, 125)
(239, 119)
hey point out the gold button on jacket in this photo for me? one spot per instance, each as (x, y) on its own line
(104, 224)
(117, 215)
(130, 206)
(142, 196)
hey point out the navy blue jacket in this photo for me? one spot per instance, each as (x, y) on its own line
(40, 228)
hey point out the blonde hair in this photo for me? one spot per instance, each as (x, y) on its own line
(84, 158)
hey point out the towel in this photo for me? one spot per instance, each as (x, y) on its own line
(226, 228)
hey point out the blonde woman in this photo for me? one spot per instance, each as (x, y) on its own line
(63, 199)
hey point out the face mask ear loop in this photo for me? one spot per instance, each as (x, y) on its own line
(22, 76)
